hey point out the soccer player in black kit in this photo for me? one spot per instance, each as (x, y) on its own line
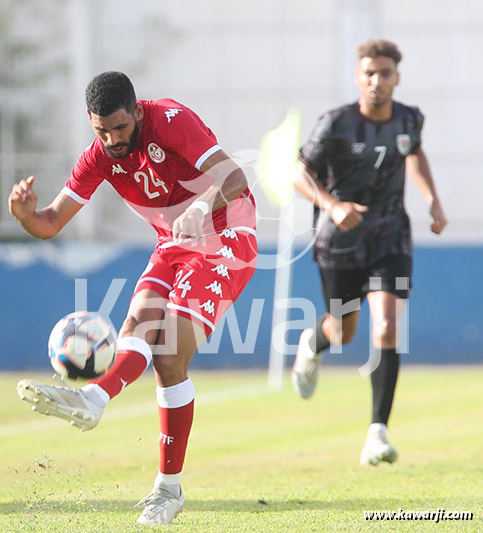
(353, 169)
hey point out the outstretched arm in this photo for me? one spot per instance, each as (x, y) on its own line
(346, 215)
(43, 223)
(418, 168)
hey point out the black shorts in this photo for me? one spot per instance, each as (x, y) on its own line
(391, 273)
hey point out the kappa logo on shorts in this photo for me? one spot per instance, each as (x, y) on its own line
(209, 307)
(226, 252)
(215, 287)
(403, 143)
(221, 270)
(156, 153)
(229, 233)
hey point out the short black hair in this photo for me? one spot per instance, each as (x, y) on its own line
(379, 47)
(108, 92)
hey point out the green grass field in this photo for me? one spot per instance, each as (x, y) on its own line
(257, 460)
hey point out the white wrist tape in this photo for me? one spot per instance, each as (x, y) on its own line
(200, 205)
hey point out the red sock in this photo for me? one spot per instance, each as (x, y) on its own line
(176, 406)
(133, 357)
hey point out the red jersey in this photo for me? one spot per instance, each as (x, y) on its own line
(162, 176)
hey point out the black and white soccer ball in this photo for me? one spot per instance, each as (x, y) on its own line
(82, 345)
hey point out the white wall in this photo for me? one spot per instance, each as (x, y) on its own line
(241, 66)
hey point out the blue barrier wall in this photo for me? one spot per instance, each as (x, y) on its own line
(37, 283)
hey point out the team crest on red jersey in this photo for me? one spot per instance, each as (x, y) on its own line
(156, 153)
(403, 143)
(357, 148)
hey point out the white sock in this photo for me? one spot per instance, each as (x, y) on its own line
(169, 481)
(96, 394)
(378, 428)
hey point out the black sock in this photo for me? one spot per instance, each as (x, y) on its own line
(318, 341)
(383, 381)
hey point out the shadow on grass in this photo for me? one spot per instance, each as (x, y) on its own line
(125, 506)
(220, 505)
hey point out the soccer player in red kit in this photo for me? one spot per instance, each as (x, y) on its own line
(167, 165)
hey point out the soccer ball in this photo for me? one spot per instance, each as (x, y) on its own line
(82, 345)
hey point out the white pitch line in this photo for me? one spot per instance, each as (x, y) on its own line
(202, 399)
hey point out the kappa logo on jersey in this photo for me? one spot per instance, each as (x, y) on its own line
(117, 169)
(156, 153)
(172, 112)
(403, 143)
(357, 148)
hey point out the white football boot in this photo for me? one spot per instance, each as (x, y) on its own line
(305, 370)
(62, 402)
(377, 448)
(160, 506)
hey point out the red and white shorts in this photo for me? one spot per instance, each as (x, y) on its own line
(201, 283)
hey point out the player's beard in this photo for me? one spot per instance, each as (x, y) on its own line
(133, 139)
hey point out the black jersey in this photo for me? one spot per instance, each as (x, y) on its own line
(359, 160)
